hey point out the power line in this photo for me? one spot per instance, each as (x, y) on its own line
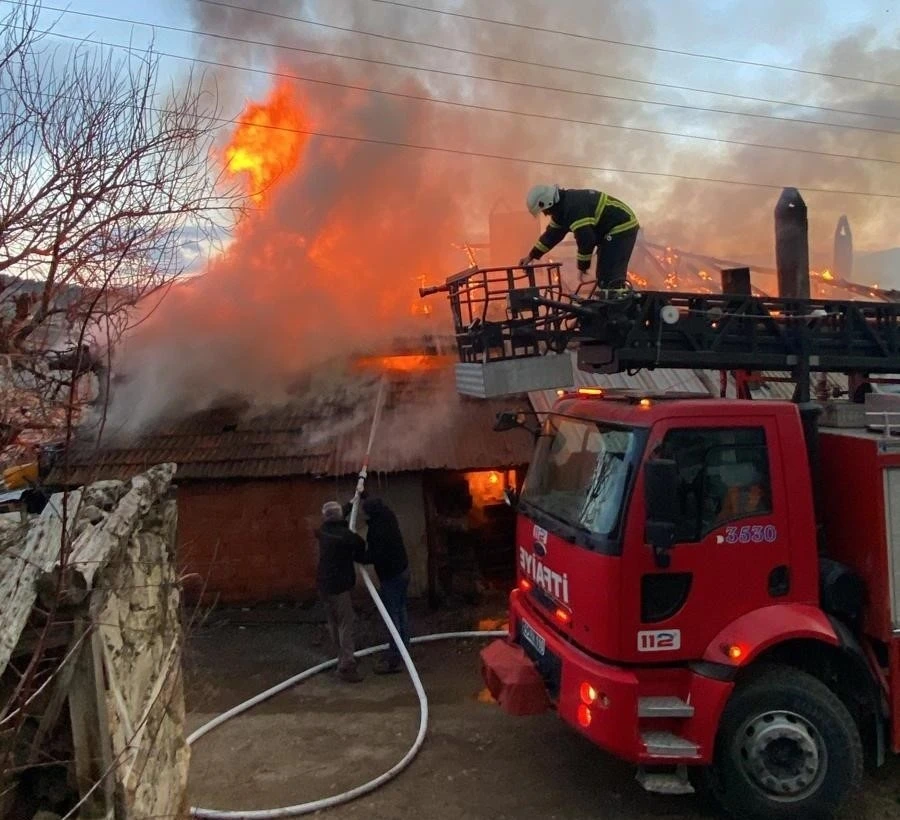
(551, 66)
(659, 49)
(524, 160)
(223, 121)
(462, 75)
(544, 163)
(490, 109)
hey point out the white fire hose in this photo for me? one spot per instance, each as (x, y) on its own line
(400, 765)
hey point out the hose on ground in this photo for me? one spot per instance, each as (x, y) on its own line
(365, 788)
(400, 765)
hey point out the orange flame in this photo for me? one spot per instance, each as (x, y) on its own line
(404, 362)
(266, 143)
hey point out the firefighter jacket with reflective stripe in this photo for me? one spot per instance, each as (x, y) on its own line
(591, 216)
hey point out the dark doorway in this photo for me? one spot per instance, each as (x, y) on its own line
(471, 534)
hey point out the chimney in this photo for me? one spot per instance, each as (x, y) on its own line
(736, 281)
(842, 263)
(792, 245)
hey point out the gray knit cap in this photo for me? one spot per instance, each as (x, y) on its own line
(332, 511)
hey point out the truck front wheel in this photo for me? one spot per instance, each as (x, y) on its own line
(786, 748)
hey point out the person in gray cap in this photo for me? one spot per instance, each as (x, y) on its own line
(339, 547)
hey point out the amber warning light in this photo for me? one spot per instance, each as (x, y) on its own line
(734, 652)
(563, 616)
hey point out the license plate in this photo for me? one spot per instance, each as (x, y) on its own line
(533, 638)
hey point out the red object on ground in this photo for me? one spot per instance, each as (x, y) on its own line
(513, 679)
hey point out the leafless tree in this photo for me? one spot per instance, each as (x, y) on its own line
(109, 192)
(109, 188)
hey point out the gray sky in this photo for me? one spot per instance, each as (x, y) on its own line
(858, 39)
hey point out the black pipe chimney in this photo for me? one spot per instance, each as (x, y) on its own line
(792, 261)
(792, 245)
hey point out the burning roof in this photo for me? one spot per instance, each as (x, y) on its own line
(323, 431)
(662, 267)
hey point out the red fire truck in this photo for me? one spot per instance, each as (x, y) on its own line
(707, 587)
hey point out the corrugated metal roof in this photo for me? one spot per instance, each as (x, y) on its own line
(666, 380)
(651, 382)
(425, 425)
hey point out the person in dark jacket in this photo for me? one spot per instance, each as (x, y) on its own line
(597, 221)
(386, 551)
(339, 547)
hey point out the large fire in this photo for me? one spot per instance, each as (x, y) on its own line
(267, 140)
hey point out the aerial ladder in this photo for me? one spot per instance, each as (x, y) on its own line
(754, 650)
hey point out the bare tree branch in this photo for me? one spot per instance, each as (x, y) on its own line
(108, 180)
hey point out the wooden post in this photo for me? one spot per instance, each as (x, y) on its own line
(792, 245)
(431, 539)
(90, 733)
(64, 677)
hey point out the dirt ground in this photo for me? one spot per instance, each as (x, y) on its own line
(324, 736)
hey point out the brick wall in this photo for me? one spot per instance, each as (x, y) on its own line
(253, 541)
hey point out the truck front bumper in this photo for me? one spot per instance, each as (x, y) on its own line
(598, 699)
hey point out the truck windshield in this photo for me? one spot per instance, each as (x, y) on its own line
(579, 473)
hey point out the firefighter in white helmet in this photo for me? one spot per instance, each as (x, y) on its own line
(597, 220)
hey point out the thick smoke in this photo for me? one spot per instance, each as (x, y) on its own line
(329, 266)
(737, 222)
(330, 263)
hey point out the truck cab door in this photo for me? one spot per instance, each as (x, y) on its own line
(732, 551)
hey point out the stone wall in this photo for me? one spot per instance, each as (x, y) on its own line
(141, 633)
(110, 683)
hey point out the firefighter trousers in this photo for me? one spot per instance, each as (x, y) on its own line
(613, 256)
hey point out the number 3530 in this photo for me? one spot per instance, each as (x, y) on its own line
(749, 534)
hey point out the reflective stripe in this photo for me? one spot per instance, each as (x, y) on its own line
(625, 226)
(541, 246)
(553, 224)
(601, 207)
(592, 220)
(584, 257)
(622, 206)
(628, 224)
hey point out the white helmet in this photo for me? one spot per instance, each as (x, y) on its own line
(541, 197)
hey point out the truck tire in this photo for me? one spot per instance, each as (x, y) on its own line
(786, 748)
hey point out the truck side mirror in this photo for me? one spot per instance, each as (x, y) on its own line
(660, 502)
(508, 420)
(513, 419)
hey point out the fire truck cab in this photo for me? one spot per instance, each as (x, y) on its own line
(707, 587)
(672, 597)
